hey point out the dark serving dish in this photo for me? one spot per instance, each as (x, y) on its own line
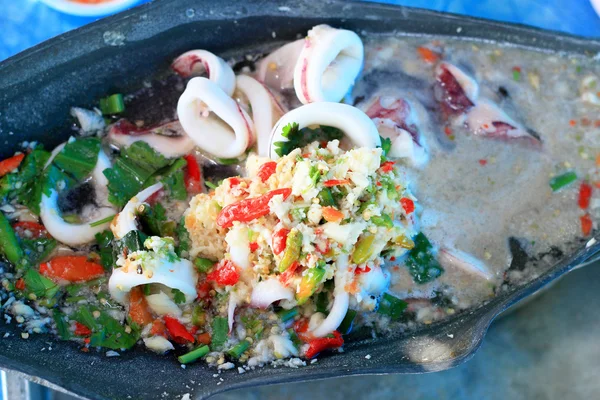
(37, 88)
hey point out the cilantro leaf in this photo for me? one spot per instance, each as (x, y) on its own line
(25, 184)
(132, 241)
(183, 236)
(78, 158)
(35, 250)
(139, 166)
(178, 296)
(421, 262)
(386, 145)
(39, 285)
(106, 330)
(302, 137)
(105, 243)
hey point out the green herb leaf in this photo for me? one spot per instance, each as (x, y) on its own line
(132, 170)
(62, 328)
(78, 158)
(39, 285)
(112, 104)
(391, 306)
(26, 186)
(421, 262)
(183, 237)
(220, 328)
(105, 243)
(178, 296)
(386, 145)
(302, 137)
(36, 250)
(132, 241)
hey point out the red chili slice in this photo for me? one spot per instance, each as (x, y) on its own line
(288, 273)
(266, 170)
(82, 330)
(407, 204)
(226, 274)
(585, 194)
(586, 224)
(249, 209)
(177, 331)
(193, 175)
(336, 182)
(279, 239)
(316, 346)
(387, 166)
(10, 164)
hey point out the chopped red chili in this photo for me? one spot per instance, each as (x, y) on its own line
(586, 224)
(316, 346)
(266, 170)
(249, 209)
(585, 194)
(226, 274)
(407, 204)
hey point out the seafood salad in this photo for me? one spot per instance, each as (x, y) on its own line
(325, 187)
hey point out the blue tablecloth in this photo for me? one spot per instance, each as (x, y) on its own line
(24, 23)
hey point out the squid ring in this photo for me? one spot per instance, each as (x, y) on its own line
(77, 234)
(329, 63)
(197, 61)
(213, 120)
(265, 110)
(355, 124)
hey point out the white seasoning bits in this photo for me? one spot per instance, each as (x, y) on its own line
(24, 335)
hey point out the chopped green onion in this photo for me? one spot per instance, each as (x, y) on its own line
(560, 181)
(112, 104)
(286, 315)
(194, 355)
(363, 250)
(146, 289)
(102, 221)
(203, 264)
(346, 325)
(228, 161)
(210, 185)
(386, 145)
(239, 349)
(516, 73)
(294, 338)
(220, 328)
(391, 306)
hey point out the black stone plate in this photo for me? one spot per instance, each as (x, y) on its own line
(38, 87)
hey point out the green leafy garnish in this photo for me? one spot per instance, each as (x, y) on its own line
(39, 285)
(105, 243)
(301, 137)
(112, 104)
(106, 330)
(132, 241)
(78, 158)
(421, 262)
(386, 145)
(62, 328)
(25, 185)
(178, 296)
(391, 306)
(139, 166)
(36, 250)
(183, 237)
(219, 332)
(154, 220)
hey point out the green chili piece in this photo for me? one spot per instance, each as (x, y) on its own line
(203, 264)
(309, 284)
(198, 316)
(363, 250)
(293, 246)
(326, 198)
(382, 220)
(560, 181)
(9, 245)
(239, 349)
(194, 355)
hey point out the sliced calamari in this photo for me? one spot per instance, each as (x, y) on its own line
(196, 62)
(330, 61)
(213, 120)
(277, 69)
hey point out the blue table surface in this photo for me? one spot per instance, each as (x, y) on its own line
(24, 23)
